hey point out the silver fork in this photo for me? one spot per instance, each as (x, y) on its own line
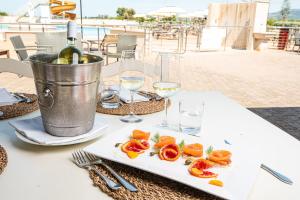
(80, 161)
(95, 160)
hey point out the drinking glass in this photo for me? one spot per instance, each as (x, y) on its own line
(131, 78)
(168, 82)
(191, 114)
(109, 97)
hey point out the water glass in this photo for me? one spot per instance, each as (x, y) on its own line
(191, 113)
(109, 97)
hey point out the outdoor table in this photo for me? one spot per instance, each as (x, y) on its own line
(4, 52)
(37, 172)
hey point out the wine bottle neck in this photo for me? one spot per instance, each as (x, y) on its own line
(71, 41)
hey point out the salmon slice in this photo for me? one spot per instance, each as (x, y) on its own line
(193, 150)
(221, 157)
(165, 140)
(140, 135)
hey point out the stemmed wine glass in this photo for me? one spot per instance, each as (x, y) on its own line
(168, 82)
(131, 78)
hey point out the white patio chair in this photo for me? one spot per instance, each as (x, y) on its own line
(125, 42)
(16, 67)
(21, 49)
(146, 67)
(58, 41)
(297, 41)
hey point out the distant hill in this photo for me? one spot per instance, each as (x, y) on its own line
(295, 14)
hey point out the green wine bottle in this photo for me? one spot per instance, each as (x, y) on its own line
(70, 54)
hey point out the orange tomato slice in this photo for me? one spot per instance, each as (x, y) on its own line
(134, 146)
(198, 169)
(132, 154)
(140, 135)
(193, 150)
(201, 164)
(221, 157)
(207, 174)
(165, 140)
(216, 182)
(196, 172)
(169, 152)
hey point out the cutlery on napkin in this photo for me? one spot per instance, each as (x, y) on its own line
(125, 96)
(33, 130)
(7, 98)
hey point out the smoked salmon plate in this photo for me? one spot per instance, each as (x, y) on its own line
(167, 148)
(215, 162)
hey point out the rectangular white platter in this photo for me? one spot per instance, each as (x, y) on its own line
(238, 178)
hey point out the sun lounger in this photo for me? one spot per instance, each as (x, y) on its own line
(108, 39)
(172, 34)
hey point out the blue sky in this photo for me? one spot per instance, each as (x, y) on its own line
(95, 7)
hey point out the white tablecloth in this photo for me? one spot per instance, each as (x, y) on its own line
(36, 172)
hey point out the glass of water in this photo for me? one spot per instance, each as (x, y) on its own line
(191, 114)
(109, 97)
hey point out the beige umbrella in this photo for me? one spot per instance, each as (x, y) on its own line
(167, 11)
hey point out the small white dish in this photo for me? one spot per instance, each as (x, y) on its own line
(86, 139)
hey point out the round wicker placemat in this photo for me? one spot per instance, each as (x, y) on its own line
(3, 159)
(19, 109)
(150, 186)
(139, 108)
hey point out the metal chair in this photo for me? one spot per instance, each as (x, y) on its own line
(141, 65)
(297, 40)
(57, 41)
(125, 42)
(16, 67)
(21, 49)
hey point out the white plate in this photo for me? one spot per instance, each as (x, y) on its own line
(238, 178)
(86, 139)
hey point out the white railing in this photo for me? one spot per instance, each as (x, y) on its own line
(188, 37)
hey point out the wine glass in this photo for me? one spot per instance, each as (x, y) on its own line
(131, 78)
(168, 82)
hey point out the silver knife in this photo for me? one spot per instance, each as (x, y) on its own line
(277, 174)
(22, 97)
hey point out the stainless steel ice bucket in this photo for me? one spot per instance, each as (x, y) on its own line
(67, 93)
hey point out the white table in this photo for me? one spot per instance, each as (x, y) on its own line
(36, 172)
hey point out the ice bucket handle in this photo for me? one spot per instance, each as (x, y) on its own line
(47, 94)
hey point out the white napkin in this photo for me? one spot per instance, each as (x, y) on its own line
(125, 96)
(7, 98)
(33, 130)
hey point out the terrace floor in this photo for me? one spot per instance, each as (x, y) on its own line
(267, 81)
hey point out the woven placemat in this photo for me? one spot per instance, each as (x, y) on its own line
(150, 186)
(3, 159)
(19, 109)
(139, 108)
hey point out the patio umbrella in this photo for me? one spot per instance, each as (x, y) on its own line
(167, 11)
(199, 14)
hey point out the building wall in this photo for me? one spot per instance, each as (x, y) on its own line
(240, 20)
